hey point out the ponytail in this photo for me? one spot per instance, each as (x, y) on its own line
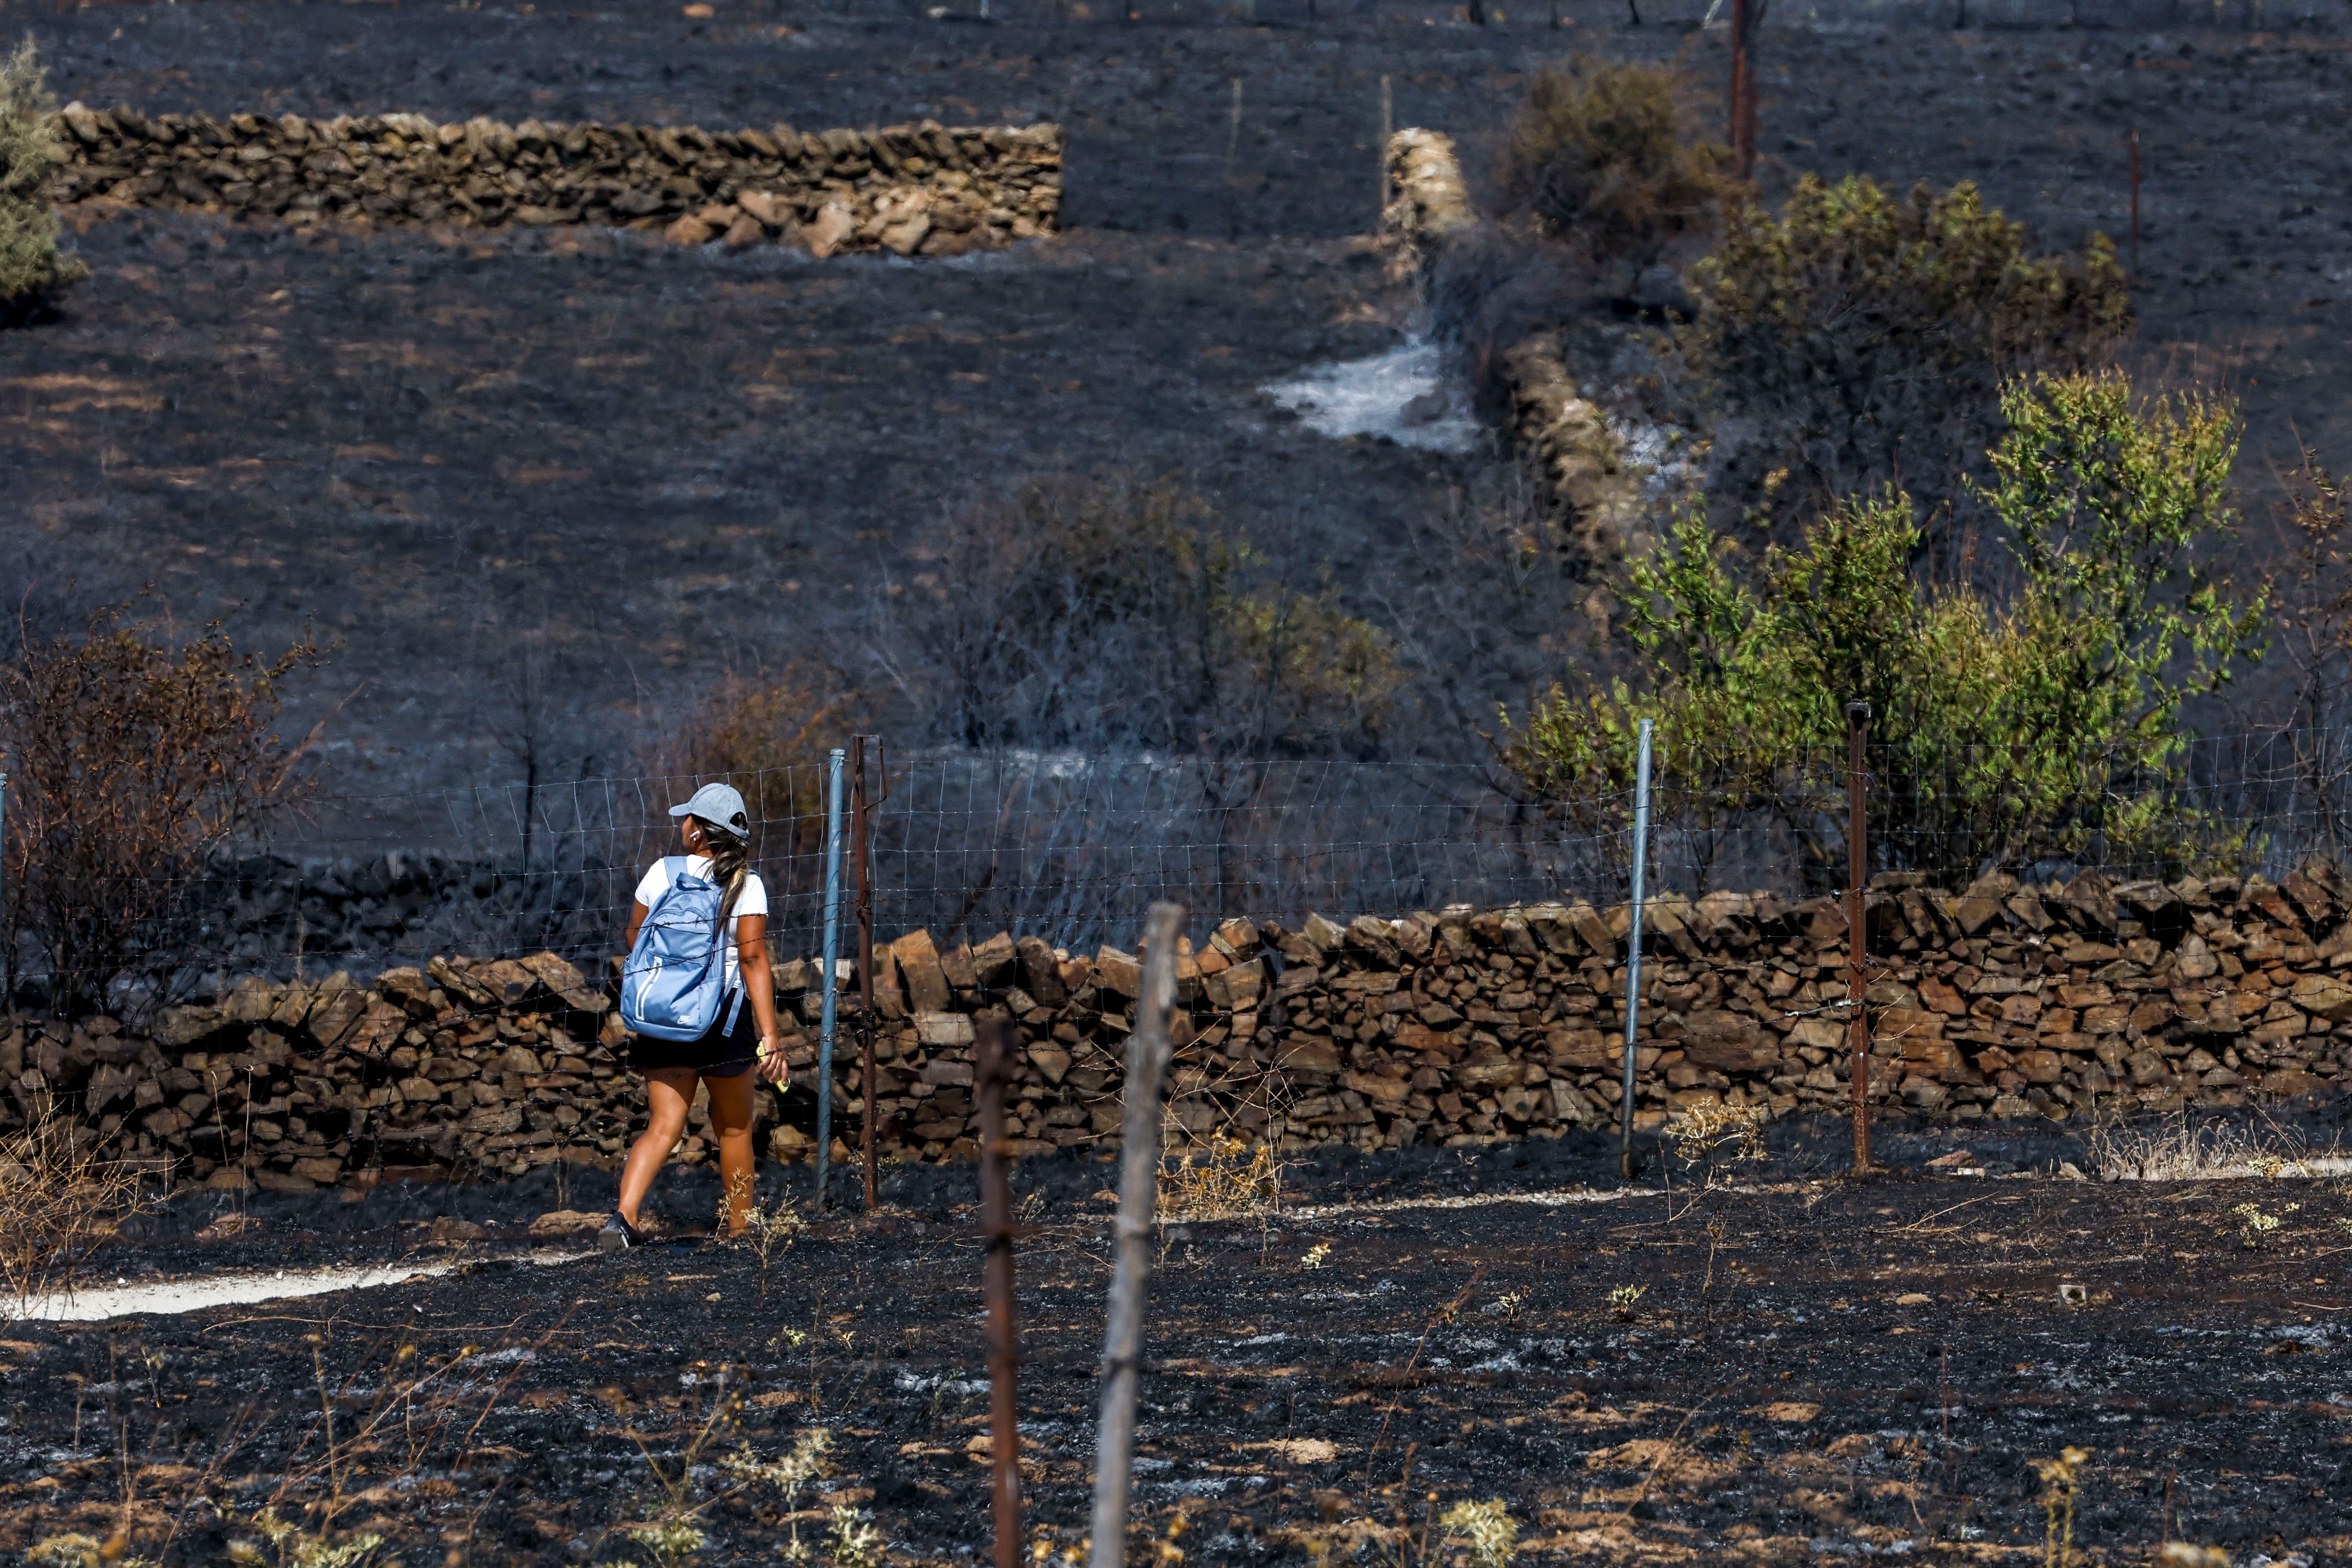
(730, 864)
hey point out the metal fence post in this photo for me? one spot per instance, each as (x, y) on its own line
(2135, 204)
(832, 769)
(1625, 1166)
(1857, 857)
(1743, 90)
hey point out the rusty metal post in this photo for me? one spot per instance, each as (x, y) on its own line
(1857, 854)
(861, 849)
(1743, 90)
(2134, 202)
(997, 1041)
(1148, 1050)
(1751, 98)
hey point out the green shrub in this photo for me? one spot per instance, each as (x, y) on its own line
(1605, 156)
(2016, 729)
(33, 270)
(1871, 336)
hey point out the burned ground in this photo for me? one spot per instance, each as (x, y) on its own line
(544, 487)
(1800, 1365)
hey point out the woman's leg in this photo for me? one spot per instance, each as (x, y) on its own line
(730, 1121)
(669, 1092)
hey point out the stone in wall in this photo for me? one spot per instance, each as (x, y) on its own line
(913, 190)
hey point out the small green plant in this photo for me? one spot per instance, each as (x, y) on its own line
(294, 1547)
(2060, 1478)
(1507, 1306)
(856, 1542)
(1622, 1301)
(83, 1551)
(1489, 1528)
(670, 1542)
(1315, 1256)
(788, 1475)
(2254, 1227)
(1605, 156)
(770, 1230)
(33, 270)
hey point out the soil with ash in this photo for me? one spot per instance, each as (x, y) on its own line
(528, 481)
(1784, 1366)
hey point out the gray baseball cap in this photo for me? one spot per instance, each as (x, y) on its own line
(721, 805)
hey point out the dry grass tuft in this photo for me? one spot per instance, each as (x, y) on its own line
(1228, 1179)
(2179, 1149)
(1700, 1132)
(60, 1200)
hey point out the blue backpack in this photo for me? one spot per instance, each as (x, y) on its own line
(676, 978)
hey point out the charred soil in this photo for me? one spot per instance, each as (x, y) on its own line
(531, 483)
(1775, 1368)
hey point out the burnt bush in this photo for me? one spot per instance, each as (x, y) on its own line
(1126, 616)
(129, 761)
(1605, 157)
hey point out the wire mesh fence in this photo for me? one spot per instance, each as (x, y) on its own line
(2239, 16)
(1074, 848)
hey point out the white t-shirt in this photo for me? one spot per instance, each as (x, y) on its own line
(753, 900)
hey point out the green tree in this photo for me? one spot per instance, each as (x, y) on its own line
(2042, 724)
(33, 270)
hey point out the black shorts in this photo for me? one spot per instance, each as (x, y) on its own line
(721, 1052)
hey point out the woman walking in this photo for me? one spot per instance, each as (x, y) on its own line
(712, 876)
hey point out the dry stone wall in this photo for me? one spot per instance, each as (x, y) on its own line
(915, 190)
(1592, 483)
(2003, 1001)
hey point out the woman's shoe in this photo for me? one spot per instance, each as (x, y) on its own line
(618, 1236)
